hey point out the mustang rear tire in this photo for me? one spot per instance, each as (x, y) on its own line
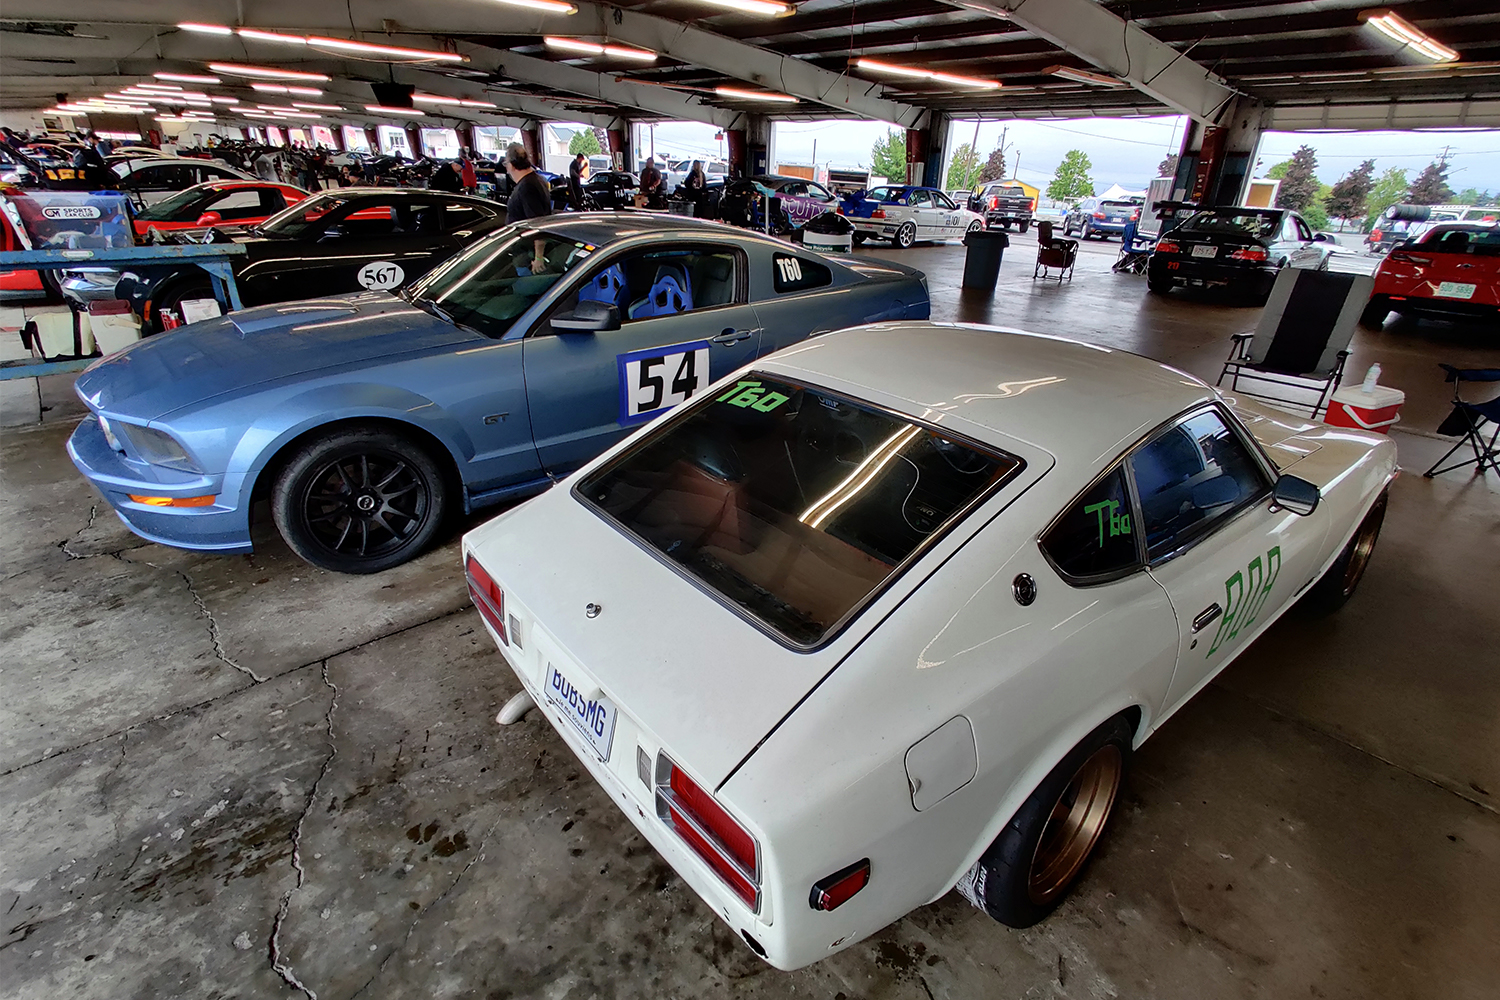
(1027, 871)
(359, 500)
(906, 235)
(1338, 584)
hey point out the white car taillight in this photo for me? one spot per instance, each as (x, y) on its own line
(712, 833)
(487, 596)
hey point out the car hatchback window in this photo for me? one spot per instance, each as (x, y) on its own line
(1189, 478)
(792, 504)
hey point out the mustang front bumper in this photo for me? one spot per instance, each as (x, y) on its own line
(223, 526)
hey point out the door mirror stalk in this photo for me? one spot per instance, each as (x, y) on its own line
(588, 317)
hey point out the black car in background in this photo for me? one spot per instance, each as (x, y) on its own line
(612, 188)
(1236, 249)
(1002, 204)
(334, 242)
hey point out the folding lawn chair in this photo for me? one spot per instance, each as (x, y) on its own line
(1302, 340)
(1053, 254)
(1135, 251)
(1470, 420)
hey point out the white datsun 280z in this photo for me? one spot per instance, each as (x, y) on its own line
(886, 613)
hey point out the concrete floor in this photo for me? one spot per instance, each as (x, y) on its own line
(241, 777)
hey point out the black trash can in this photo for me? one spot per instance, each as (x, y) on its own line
(982, 261)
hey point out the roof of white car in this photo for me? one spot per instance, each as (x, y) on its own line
(1081, 402)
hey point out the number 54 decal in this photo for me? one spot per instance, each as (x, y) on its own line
(656, 379)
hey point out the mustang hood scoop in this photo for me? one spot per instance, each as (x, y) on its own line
(171, 370)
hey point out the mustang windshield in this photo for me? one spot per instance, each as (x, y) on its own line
(1260, 225)
(790, 503)
(496, 280)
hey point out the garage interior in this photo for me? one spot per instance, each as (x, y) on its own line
(242, 776)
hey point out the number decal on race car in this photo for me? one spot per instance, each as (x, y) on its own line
(656, 379)
(1245, 594)
(790, 268)
(381, 276)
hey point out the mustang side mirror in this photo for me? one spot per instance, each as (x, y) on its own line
(1296, 495)
(333, 232)
(588, 317)
(210, 219)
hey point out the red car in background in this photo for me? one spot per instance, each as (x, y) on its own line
(215, 202)
(1452, 271)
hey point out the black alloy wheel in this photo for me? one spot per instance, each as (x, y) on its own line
(359, 501)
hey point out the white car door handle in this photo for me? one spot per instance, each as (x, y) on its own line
(1206, 617)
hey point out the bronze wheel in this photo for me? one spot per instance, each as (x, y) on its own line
(1337, 585)
(1076, 821)
(1359, 554)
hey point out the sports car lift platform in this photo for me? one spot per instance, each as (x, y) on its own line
(20, 402)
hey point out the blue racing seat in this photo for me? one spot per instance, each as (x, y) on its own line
(608, 286)
(671, 293)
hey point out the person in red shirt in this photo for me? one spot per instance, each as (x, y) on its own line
(470, 178)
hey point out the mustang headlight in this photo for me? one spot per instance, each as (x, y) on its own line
(109, 434)
(158, 448)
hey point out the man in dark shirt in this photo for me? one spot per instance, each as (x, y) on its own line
(575, 181)
(530, 197)
(446, 177)
(653, 186)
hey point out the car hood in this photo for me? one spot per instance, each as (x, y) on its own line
(163, 373)
(703, 681)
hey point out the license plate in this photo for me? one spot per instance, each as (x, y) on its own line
(1456, 290)
(594, 718)
(1205, 251)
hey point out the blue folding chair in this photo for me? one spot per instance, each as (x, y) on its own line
(1470, 421)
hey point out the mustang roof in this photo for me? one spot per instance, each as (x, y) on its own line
(1081, 402)
(604, 227)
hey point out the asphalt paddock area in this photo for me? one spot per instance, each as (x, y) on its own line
(246, 777)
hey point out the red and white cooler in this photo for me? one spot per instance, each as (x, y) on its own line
(1375, 410)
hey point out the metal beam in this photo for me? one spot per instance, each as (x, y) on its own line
(1118, 47)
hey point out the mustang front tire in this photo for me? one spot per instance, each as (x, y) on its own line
(1027, 871)
(359, 500)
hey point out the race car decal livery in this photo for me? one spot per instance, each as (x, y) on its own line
(1243, 600)
(656, 379)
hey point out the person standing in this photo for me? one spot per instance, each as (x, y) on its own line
(469, 174)
(447, 177)
(576, 171)
(694, 186)
(530, 197)
(653, 186)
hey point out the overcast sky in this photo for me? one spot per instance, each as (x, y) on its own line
(1124, 151)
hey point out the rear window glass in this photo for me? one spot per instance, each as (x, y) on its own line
(792, 504)
(796, 274)
(1483, 242)
(1259, 224)
(1011, 192)
(1118, 204)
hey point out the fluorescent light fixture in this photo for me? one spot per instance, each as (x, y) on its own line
(265, 72)
(765, 7)
(754, 95)
(1085, 76)
(380, 109)
(270, 36)
(547, 6)
(596, 49)
(914, 73)
(160, 88)
(366, 48)
(276, 88)
(438, 99)
(1410, 36)
(207, 29)
(225, 100)
(317, 107)
(187, 77)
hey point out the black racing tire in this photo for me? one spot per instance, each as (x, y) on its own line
(1158, 286)
(175, 296)
(1342, 578)
(857, 238)
(360, 500)
(1027, 871)
(1374, 316)
(905, 236)
(1025, 225)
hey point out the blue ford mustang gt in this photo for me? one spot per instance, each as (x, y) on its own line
(368, 419)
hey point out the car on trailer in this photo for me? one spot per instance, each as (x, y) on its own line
(367, 420)
(1451, 272)
(887, 613)
(905, 214)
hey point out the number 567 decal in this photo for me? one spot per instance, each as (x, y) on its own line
(656, 379)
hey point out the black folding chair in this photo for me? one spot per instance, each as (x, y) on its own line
(1053, 254)
(1470, 420)
(1302, 340)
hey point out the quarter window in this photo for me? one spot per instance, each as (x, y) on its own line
(1190, 478)
(796, 274)
(1096, 536)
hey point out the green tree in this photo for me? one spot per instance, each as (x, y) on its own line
(1316, 216)
(1168, 166)
(1071, 180)
(1347, 198)
(1299, 184)
(1387, 191)
(1431, 186)
(584, 141)
(963, 172)
(1279, 171)
(994, 167)
(888, 157)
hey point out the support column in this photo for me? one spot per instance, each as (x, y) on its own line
(759, 145)
(531, 138)
(619, 148)
(1216, 160)
(924, 151)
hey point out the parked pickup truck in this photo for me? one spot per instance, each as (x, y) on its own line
(1002, 204)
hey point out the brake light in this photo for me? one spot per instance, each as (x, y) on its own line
(1098, 215)
(487, 596)
(835, 890)
(1250, 253)
(1166, 247)
(1033, 205)
(1411, 258)
(711, 832)
(994, 201)
(878, 213)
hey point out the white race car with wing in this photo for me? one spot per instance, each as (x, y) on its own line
(887, 613)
